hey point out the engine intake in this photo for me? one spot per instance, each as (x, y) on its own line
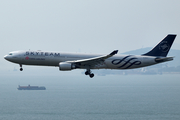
(65, 66)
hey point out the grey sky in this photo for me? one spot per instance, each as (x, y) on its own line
(93, 26)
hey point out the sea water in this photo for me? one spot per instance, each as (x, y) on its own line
(120, 97)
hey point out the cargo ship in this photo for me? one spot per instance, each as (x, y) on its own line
(31, 88)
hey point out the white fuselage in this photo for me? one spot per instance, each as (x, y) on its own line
(70, 61)
(54, 58)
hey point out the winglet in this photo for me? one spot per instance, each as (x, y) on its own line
(114, 52)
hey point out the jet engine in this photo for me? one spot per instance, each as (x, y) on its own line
(65, 66)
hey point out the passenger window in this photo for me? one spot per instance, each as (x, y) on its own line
(10, 53)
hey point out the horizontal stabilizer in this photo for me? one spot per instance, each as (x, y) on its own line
(158, 60)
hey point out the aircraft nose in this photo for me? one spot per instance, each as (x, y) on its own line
(6, 57)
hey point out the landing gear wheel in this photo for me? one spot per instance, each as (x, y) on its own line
(21, 69)
(91, 75)
(86, 73)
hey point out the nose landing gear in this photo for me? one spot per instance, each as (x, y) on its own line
(88, 72)
(21, 69)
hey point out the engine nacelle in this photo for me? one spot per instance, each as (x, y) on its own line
(65, 66)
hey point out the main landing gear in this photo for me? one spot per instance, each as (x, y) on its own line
(21, 69)
(88, 72)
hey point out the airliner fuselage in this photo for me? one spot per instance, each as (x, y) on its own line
(70, 61)
(54, 58)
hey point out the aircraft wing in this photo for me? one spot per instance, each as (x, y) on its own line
(88, 63)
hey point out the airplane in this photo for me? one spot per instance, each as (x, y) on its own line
(70, 61)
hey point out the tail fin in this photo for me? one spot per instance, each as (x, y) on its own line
(163, 47)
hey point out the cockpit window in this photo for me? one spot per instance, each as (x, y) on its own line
(10, 53)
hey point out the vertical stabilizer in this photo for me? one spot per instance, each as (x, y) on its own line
(163, 47)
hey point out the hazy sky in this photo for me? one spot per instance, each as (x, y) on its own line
(93, 26)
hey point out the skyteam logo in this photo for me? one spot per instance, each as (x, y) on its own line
(126, 62)
(164, 46)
